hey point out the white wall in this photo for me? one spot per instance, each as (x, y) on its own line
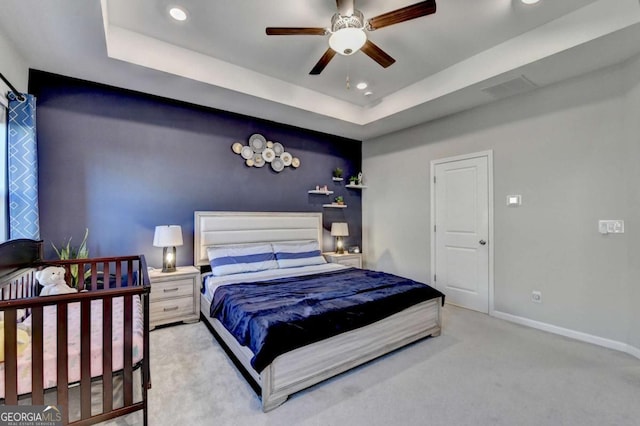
(568, 149)
(13, 67)
(632, 118)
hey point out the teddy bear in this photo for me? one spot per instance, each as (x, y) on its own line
(52, 278)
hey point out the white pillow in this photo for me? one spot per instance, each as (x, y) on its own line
(235, 259)
(298, 253)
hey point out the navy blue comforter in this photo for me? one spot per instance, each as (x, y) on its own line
(277, 316)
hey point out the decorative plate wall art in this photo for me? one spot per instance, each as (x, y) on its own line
(237, 147)
(258, 152)
(286, 158)
(268, 155)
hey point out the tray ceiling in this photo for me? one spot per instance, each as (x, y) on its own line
(466, 54)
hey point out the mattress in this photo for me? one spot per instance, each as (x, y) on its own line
(73, 336)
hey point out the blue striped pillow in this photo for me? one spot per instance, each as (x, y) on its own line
(298, 253)
(235, 259)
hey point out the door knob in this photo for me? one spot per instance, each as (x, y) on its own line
(482, 242)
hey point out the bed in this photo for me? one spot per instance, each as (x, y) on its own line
(85, 352)
(304, 366)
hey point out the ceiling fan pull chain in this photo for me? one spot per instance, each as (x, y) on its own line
(348, 81)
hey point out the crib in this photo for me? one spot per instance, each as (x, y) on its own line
(84, 351)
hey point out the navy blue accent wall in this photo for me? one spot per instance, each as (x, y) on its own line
(121, 162)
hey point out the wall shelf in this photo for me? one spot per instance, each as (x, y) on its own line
(355, 186)
(335, 206)
(337, 179)
(316, 191)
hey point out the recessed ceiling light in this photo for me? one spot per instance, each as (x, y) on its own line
(178, 14)
(369, 93)
(529, 1)
(362, 85)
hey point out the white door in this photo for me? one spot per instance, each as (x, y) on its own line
(461, 231)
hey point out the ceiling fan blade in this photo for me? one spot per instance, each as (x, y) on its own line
(401, 15)
(377, 54)
(345, 7)
(295, 31)
(328, 56)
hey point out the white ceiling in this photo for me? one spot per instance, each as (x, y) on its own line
(220, 57)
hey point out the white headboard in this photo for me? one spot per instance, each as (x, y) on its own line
(216, 228)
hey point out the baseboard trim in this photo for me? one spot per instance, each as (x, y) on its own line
(632, 350)
(566, 332)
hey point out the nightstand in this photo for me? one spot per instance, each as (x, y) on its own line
(175, 296)
(348, 259)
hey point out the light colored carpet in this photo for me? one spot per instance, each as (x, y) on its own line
(480, 371)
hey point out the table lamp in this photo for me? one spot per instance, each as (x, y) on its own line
(168, 237)
(339, 230)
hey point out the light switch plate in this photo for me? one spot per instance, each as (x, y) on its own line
(514, 200)
(611, 226)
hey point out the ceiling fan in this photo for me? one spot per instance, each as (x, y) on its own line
(348, 31)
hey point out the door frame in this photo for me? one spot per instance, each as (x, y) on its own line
(489, 155)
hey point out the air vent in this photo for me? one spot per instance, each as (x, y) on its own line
(511, 87)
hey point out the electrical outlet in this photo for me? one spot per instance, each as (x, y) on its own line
(536, 296)
(611, 226)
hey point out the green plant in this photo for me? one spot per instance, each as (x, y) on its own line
(353, 179)
(339, 199)
(337, 172)
(68, 252)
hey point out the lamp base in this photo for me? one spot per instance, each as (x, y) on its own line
(169, 259)
(339, 245)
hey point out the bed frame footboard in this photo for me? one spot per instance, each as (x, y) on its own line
(312, 364)
(306, 366)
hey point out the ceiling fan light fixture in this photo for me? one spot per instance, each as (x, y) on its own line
(347, 33)
(529, 1)
(347, 41)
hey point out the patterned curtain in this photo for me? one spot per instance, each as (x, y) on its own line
(22, 168)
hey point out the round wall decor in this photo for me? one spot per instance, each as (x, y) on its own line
(260, 151)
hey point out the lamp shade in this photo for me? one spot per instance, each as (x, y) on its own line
(339, 229)
(168, 236)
